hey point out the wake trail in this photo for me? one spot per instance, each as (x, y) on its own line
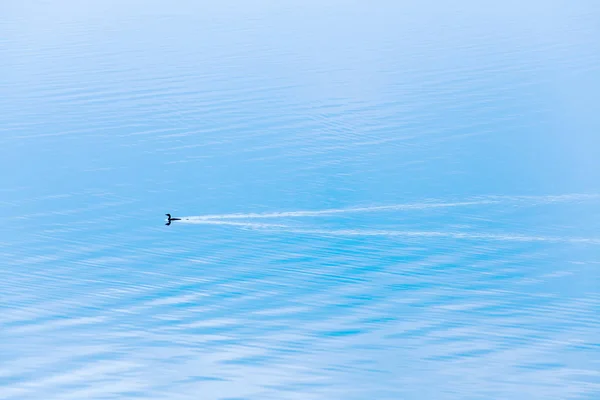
(250, 225)
(509, 237)
(333, 211)
(528, 200)
(506, 237)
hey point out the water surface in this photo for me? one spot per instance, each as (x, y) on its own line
(382, 201)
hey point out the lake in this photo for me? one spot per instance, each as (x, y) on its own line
(386, 200)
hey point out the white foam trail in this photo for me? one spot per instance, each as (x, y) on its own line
(453, 235)
(508, 237)
(332, 211)
(251, 225)
(408, 206)
(559, 198)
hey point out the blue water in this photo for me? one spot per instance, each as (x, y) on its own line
(380, 201)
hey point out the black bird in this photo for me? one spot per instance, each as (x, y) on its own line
(171, 219)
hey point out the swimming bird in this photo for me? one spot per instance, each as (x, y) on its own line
(171, 219)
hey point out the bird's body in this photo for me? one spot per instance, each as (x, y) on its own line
(171, 219)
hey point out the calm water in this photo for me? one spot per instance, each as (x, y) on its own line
(385, 201)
